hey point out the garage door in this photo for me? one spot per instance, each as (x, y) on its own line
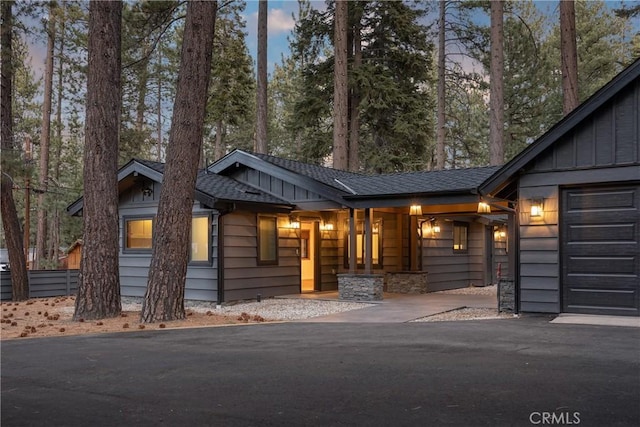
(600, 250)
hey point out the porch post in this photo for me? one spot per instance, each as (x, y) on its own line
(413, 244)
(352, 241)
(368, 241)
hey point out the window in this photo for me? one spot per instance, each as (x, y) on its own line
(376, 244)
(460, 237)
(267, 240)
(138, 236)
(200, 239)
(138, 233)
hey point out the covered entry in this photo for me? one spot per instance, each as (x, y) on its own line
(600, 250)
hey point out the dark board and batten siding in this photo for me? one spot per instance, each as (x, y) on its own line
(201, 283)
(603, 149)
(243, 277)
(275, 186)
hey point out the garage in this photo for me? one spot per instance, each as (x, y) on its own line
(575, 199)
(600, 251)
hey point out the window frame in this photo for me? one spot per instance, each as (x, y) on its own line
(359, 223)
(125, 221)
(465, 249)
(209, 259)
(259, 256)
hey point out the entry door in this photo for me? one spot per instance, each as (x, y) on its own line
(600, 250)
(309, 256)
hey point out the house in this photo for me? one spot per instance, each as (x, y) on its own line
(267, 226)
(576, 190)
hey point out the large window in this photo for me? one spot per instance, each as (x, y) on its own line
(200, 232)
(138, 236)
(376, 244)
(460, 237)
(267, 240)
(138, 233)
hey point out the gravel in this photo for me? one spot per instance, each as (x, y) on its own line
(269, 309)
(466, 314)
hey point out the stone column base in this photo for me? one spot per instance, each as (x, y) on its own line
(407, 282)
(506, 296)
(360, 287)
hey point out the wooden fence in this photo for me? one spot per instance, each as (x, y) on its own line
(43, 283)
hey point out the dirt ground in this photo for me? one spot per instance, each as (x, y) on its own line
(44, 317)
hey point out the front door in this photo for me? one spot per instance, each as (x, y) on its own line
(308, 256)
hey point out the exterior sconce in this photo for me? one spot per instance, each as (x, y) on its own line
(327, 226)
(294, 223)
(415, 210)
(536, 208)
(484, 208)
(435, 228)
(500, 234)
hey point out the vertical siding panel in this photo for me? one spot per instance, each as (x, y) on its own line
(584, 148)
(604, 137)
(626, 145)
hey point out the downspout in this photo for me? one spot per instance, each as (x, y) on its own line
(516, 267)
(220, 260)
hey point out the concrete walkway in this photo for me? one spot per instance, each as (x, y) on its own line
(400, 308)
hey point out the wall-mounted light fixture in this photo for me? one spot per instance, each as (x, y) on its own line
(483, 208)
(326, 226)
(294, 224)
(537, 208)
(499, 234)
(435, 228)
(415, 210)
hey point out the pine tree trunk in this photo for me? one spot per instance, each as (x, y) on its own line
(54, 223)
(496, 122)
(354, 113)
(568, 51)
(99, 281)
(141, 106)
(45, 140)
(218, 151)
(10, 221)
(261, 122)
(441, 88)
(164, 298)
(340, 88)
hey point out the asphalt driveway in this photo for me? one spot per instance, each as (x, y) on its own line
(493, 372)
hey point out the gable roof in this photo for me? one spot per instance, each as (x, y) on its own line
(318, 179)
(502, 177)
(210, 188)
